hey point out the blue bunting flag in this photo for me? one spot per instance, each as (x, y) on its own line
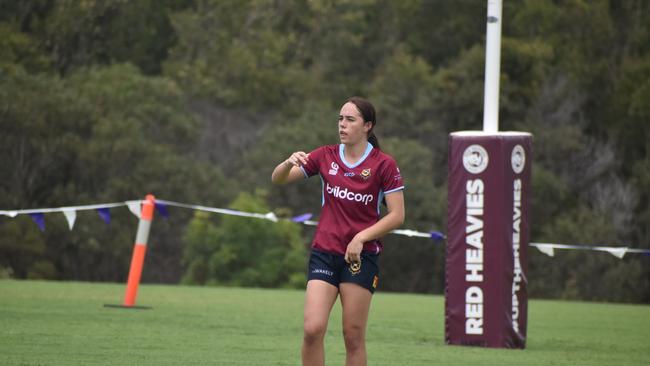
(302, 218)
(105, 214)
(162, 209)
(39, 219)
(436, 235)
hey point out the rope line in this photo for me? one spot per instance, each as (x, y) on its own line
(305, 219)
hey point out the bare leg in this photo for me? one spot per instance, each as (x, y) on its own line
(356, 306)
(319, 299)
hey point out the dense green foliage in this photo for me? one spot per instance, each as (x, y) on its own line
(198, 100)
(50, 323)
(274, 254)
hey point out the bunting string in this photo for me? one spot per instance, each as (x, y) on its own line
(103, 210)
(14, 213)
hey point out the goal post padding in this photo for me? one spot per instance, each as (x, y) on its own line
(487, 238)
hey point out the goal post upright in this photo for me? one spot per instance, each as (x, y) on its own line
(486, 298)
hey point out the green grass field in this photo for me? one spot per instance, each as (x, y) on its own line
(65, 323)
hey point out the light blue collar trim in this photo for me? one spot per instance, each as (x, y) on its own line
(352, 166)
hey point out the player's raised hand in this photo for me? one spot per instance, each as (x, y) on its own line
(299, 158)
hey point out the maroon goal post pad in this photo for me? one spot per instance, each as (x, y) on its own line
(487, 239)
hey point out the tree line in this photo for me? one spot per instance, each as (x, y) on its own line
(197, 100)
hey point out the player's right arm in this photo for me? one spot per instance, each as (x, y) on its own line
(289, 170)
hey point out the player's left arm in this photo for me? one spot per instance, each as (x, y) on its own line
(391, 221)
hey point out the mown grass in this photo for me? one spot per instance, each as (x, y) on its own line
(65, 323)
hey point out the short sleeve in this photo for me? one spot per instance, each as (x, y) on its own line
(391, 178)
(313, 163)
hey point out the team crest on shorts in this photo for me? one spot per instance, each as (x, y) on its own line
(355, 268)
(365, 174)
(375, 282)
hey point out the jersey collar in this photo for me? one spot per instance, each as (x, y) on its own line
(352, 166)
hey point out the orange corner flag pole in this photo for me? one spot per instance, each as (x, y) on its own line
(139, 250)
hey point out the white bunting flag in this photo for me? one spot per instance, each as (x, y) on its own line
(546, 249)
(134, 207)
(70, 215)
(271, 216)
(616, 252)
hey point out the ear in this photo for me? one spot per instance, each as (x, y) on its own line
(367, 126)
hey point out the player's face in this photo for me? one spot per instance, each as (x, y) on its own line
(352, 128)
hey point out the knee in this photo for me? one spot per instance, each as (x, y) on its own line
(314, 332)
(354, 337)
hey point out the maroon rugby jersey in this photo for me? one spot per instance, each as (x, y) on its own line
(352, 194)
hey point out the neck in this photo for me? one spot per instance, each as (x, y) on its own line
(354, 152)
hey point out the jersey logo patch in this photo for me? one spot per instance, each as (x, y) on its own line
(365, 174)
(334, 168)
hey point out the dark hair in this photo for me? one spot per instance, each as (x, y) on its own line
(367, 111)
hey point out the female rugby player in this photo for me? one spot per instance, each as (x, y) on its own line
(357, 176)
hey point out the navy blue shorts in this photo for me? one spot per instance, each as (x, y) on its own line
(333, 269)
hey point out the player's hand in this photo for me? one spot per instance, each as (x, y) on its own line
(353, 251)
(298, 159)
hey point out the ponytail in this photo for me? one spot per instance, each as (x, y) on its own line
(372, 139)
